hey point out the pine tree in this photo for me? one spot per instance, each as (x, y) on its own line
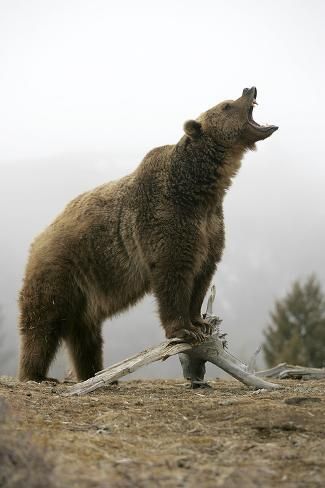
(296, 333)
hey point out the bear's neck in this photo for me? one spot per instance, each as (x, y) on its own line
(230, 166)
(201, 172)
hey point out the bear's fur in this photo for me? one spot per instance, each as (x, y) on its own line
(158, 230)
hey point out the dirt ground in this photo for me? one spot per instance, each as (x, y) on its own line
(162, 434)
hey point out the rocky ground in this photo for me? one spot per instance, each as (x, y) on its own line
(161, 434)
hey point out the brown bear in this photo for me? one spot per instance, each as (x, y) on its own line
(159, 229)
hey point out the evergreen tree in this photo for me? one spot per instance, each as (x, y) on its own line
(296, 333)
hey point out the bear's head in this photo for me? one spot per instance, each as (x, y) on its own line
(231, 123)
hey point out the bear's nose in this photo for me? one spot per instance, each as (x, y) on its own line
(249, 91)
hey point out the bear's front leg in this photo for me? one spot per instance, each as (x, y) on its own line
(172, 285)
(200, 287)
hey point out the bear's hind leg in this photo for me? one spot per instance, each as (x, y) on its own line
(37, 353)
(85, 346)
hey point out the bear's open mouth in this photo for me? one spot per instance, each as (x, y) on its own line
(251, 121)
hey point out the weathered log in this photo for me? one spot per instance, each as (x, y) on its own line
(213, 350)
(275, 371)
(284, 370)
(303, 373)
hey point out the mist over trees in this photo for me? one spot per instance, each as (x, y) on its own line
(296, 333)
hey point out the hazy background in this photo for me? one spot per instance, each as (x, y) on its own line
(88, 87)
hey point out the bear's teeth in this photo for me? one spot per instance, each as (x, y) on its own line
(254, 102)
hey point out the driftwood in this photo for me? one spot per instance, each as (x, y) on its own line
(284, 370)
(275, 371)
(213, 350)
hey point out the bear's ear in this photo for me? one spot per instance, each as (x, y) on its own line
(193, 129)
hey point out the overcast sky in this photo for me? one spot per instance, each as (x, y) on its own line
(88, 87)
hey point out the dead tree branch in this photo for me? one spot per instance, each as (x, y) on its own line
(284, 370)
(213, 350)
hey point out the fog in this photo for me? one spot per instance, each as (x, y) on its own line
(88, 87)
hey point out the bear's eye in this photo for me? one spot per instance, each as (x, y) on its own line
(227, 106)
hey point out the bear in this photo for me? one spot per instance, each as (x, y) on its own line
(158, 230)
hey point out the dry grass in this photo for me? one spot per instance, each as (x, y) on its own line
(159, 433)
